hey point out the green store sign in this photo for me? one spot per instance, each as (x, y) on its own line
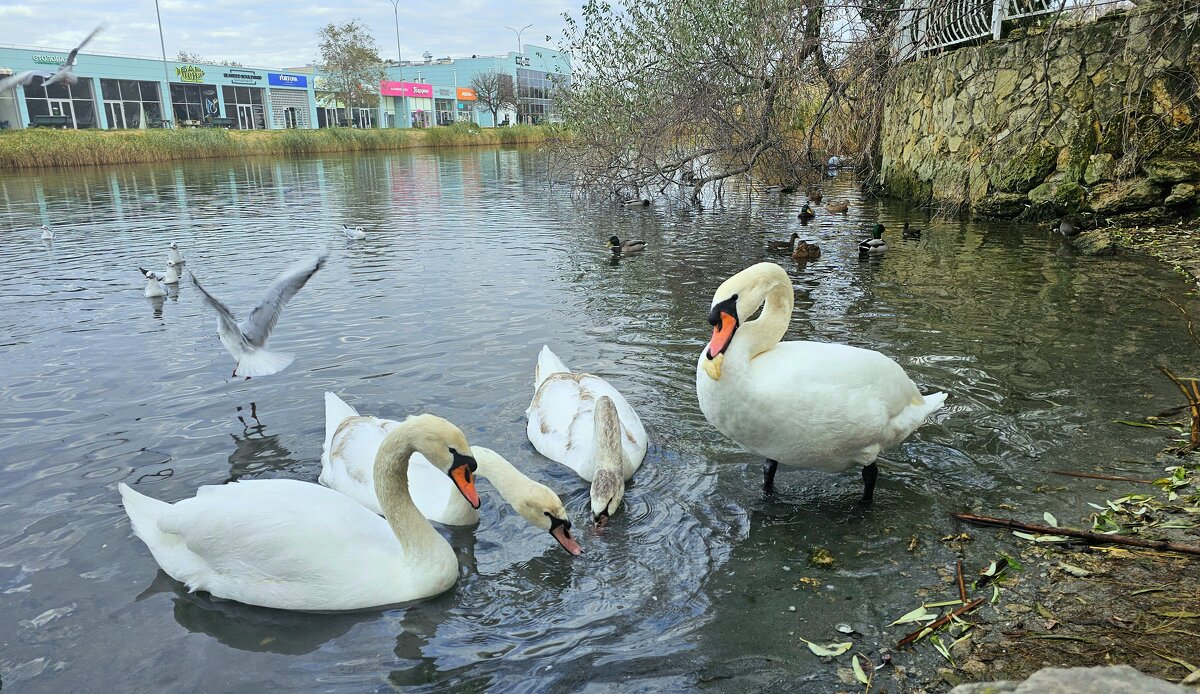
(50, 59)
(190, 73)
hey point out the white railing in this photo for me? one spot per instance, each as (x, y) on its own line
(928, 25)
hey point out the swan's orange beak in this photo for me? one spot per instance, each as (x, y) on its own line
(722, 334)
(460, 473)
(561, 530)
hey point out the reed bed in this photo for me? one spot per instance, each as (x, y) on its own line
(43, 147)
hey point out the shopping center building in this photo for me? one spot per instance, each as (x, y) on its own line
(119, 92)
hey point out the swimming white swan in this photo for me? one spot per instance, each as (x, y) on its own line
(299, 546)
(348, 457)
(174, 256)
(153, 288)
(581, 421)
(812, 404)
(247, 341)
(355, 233)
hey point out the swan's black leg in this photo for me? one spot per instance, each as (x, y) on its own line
(769, 468)
(869, 475)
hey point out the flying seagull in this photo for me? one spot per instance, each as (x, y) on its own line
(65, 72)
(247, 341)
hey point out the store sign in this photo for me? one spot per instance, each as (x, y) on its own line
(243, 77)
(189, 73)
(50, 59)
(277, 79)
(466, 94)
(416, 89)
(445, 92)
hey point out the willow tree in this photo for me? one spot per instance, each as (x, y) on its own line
(692, 92)
(350, 66)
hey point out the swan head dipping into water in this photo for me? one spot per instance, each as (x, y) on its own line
(608, 484)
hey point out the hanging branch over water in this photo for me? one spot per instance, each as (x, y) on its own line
(1093, 538)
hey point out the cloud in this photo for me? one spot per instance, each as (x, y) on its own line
(274, 33)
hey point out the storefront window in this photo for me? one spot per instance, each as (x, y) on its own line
(445, 111)
(244, 107)
(75, 102)
(131, 104)
(194, 104)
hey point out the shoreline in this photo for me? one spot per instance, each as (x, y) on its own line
(40, 148)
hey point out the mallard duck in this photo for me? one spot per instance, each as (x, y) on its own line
(806, 251)
(815, 197)
(875, 244)
(838, 206)
(783, 245)
(910, 233)
(818, 405)
(806, 212)
(616, 245)
(636, 202)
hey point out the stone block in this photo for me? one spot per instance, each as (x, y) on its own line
(1006, 83)
(1100, 167)
(1114, 679)
(1164, 170)
(1181, 194)
(1125, 196)
(1003, 205)
(1026, 169)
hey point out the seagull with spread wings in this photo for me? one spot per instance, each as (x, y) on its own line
(64, 73)
(247, 340)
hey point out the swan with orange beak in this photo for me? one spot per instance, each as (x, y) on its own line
(810, 404)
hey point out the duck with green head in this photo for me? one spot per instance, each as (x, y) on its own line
(806, 212)
(875, 244)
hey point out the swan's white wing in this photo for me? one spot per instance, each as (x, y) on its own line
(278, 543)
(261, 321)
(561, 422)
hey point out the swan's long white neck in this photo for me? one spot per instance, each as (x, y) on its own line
(507, 480)
(415, 533)
(761, 334)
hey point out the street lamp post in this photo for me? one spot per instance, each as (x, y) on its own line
(166, 73)
(402, 102)
(518, 33)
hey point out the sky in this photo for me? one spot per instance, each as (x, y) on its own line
(274, 33)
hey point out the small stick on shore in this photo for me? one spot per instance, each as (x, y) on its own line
(939, 623)
(1098, 476)
(1094, 538)
(962, 586)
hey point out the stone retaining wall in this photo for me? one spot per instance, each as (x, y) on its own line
(1097, 120)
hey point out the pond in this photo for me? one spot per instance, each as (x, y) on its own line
(472, 262)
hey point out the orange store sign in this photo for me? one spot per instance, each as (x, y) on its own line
(466, 94)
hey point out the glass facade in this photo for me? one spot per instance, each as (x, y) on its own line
(535, 96)
(194, 104)
(131, 104)
(445, 111)
(74, 101)
(244, 106)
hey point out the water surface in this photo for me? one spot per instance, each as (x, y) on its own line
(472, 263)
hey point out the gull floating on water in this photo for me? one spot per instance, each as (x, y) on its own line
(247, 341)
(355, 233)
(171, 276)
(153, 288)
(64, 73)
(174, 256)
(47, 235)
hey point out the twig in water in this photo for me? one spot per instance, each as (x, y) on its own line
(939, 623)
(1096, 538)
(1098, 476)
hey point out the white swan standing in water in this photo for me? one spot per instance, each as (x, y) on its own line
(348, 457)
(811, 404)
(299, 546)
(247, 341)
(583, 422)
(173, 255)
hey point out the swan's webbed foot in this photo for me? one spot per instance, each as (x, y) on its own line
(869, 474)
(769, 468)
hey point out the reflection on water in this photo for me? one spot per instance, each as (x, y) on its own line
(472, 263)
